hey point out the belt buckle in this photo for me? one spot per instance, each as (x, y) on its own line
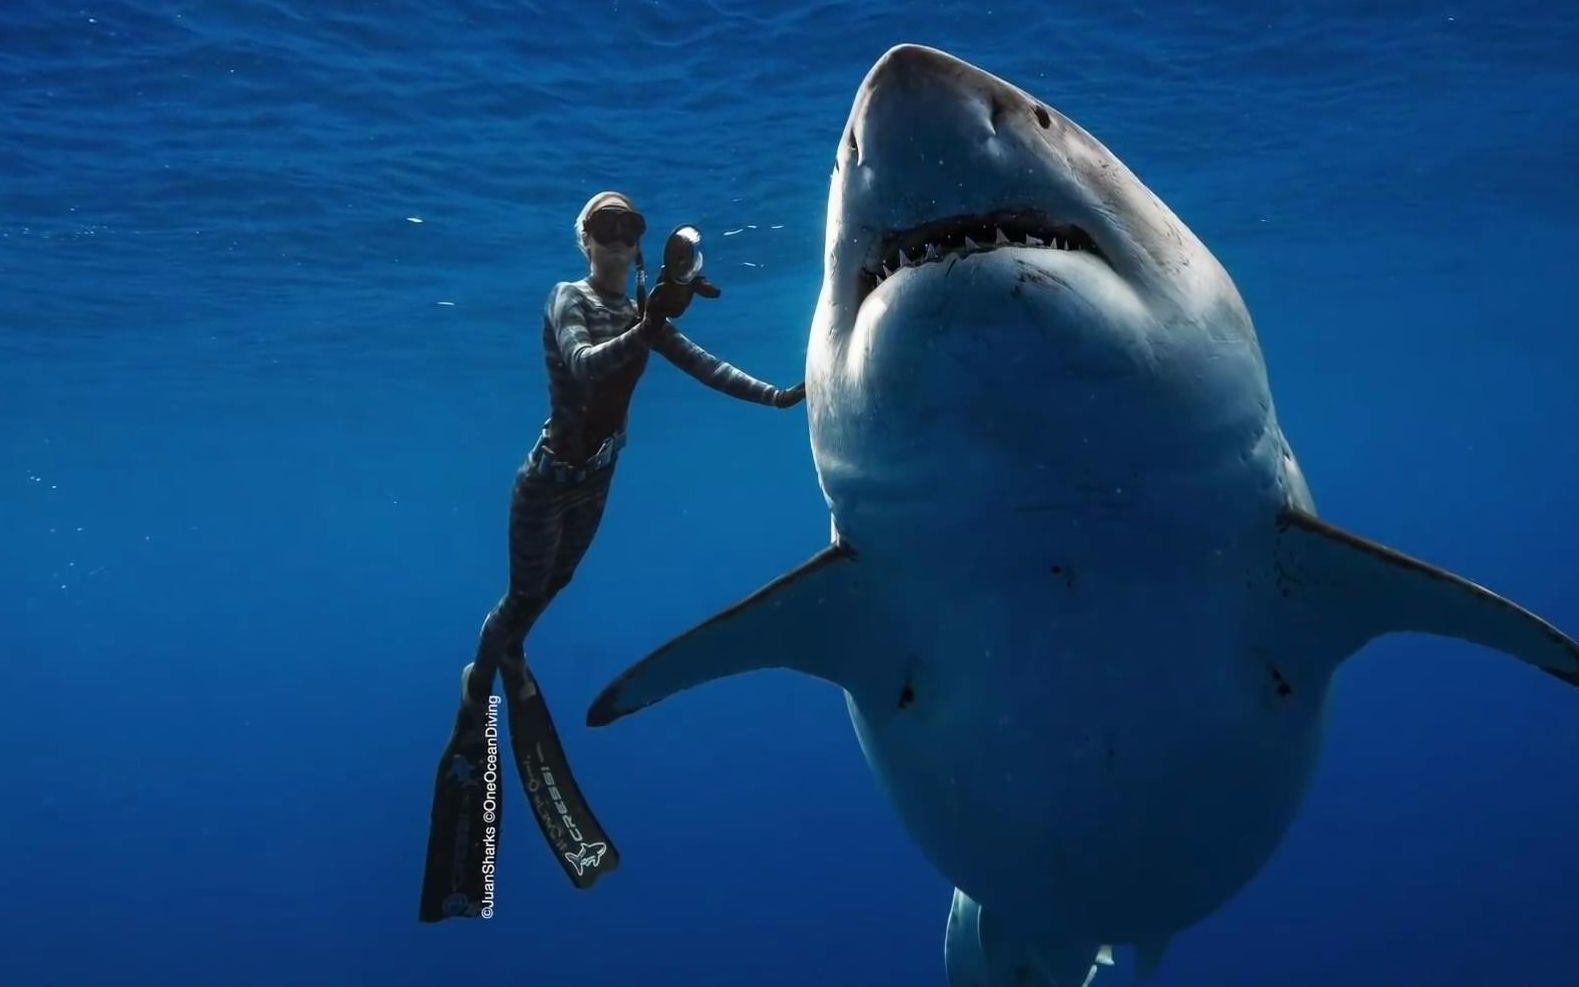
(604, 456)
(545, 463)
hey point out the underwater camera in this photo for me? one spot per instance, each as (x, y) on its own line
(682, 266)
(682, 261)
(682, 255)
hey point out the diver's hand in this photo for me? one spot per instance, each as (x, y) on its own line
(668, 301)
(790, 397)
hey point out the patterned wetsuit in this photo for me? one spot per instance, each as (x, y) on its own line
(595, 356)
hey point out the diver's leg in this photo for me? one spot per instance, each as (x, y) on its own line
(467, 807)
(579, 842)
(538, 512)
(583, 514)
(548, 539)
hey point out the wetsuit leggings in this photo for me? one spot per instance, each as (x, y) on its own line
(552, 523)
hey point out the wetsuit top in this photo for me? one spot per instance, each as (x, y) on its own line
(596, 354)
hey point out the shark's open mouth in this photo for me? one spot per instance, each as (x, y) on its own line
(960, 236)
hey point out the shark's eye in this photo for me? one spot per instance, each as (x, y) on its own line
(855, 149)
(1042, 117)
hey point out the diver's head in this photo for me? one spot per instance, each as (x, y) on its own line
(608, 230)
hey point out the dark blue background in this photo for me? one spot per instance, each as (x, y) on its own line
(253, 477)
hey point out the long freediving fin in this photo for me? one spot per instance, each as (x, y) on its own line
(463, 830)
(1379, 590)
(798, 622)
(579, 843)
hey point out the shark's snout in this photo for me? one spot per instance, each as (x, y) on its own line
(962, 104)
(905, 78)
(941, 160)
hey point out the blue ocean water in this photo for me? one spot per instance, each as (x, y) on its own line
(258, 427)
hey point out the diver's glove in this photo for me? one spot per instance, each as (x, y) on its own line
(791, 396)
(670, 299)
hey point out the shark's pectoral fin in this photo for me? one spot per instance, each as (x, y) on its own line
(804, 620)
(1366, 590)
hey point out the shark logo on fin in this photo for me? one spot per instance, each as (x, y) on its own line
(588, 857)
(462, 772)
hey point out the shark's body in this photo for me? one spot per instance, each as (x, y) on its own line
(1078, 597)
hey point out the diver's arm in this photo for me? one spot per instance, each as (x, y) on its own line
(586, 360)
(719, 375)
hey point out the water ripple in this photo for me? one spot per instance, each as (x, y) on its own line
(247, 169)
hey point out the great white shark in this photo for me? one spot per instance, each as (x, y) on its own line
(1077, 593)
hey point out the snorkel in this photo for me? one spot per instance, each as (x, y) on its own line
(641, 284)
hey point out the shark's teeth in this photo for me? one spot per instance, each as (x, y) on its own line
(960, 237)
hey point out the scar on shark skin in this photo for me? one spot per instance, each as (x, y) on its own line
(1031, 274)
(1283, 688)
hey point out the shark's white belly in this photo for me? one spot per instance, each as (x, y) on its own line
(1061, 539)
(1094, 737)
(1099, 751)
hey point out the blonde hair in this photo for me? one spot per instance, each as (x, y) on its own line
(599, 201)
